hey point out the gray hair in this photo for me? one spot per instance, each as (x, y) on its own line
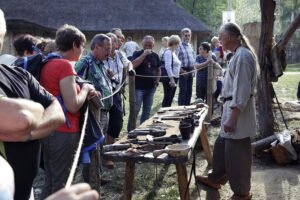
(185, 30)
(112, 36)
(99, 40)
(233, 30)
(2, 23)
(148, 37)
(173, 40)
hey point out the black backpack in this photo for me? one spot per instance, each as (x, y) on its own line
(33, 64)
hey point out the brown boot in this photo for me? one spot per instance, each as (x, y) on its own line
(108, 163)
(206, 181)
(247, 196)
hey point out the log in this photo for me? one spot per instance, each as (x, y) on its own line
(263, 144)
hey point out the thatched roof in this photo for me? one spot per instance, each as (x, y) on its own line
(100, 15)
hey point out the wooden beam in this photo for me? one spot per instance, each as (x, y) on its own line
(205, 144)
(129, 177)
(182, 181)
(132, 103)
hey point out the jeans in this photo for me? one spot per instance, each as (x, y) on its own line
(169, 93)
(219, 90)
(298, 92)
(185, 90)
(144, 97)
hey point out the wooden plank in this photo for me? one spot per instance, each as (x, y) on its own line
(182, 181)
(205, 145)
(128, 185)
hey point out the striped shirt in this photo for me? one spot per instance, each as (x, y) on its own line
(186, 55)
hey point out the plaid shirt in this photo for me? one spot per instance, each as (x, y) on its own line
(93, 70)
(186, 55)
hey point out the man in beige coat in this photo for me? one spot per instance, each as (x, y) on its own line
(232, 156)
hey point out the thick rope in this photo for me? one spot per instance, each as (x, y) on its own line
(76, 158)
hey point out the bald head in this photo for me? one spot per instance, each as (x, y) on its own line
(2, 28)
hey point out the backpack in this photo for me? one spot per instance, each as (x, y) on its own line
(34, 64)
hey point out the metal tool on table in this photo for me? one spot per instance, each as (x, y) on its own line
(155, 132)
(115, 147)
(145, 141)
(171, 138)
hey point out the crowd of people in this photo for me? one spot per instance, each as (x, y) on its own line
(50, 118)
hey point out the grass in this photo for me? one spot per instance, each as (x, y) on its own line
(295, 67)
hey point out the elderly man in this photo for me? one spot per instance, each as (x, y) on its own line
(24, 156)
(146, 63)
(91, 67)
(117, 65)
(238, 122)
(187, 57)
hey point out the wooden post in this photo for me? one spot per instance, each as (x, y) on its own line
(205, 144)
(129, 177)
(132, 102)
(265, 117)
(182, 181)
(209, 95)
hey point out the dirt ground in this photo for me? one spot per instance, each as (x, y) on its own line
(269, 180)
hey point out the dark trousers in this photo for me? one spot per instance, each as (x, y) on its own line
(115, 123)
(219, 90)
(185, 90)
(169, 93)
(24, 159)
(58, 150)
(201, 92)
(232, 161)
(298, 91)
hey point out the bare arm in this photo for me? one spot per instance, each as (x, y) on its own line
(201, 65)
(72, 100)
(229, 125)
(141, 58)
(52, 118)
(18, 118)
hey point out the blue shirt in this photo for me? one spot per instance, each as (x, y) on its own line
(202, 73)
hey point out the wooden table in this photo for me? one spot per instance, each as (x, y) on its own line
(131, 159)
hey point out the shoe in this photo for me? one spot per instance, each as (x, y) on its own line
(244, 197)
(108, 164)
(206, 181)
(104, 181)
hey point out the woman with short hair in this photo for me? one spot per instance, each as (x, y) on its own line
(58, 77)
(170, 69)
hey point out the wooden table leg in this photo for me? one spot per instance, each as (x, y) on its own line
(182, 181)
(205, 144)
(129, 176)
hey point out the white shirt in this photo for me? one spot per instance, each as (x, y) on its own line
(116, 65)
(130, 47)
(173, 71)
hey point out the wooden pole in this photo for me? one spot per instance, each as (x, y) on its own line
(182, 181)
(129, 177)
(132, 103)
(209, 95)
(265, 117)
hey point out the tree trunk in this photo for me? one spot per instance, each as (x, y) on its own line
(265, 117)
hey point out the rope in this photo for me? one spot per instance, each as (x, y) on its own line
(149, 76)
(115, 92)
(76, 158)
